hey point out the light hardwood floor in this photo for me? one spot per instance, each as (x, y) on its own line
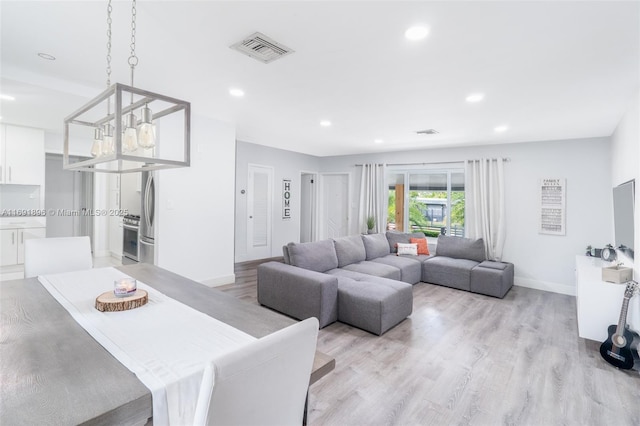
(463, 358)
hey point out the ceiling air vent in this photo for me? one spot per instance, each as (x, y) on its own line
(427, 132)
(262, 48)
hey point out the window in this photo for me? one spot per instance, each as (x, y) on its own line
(429, 201)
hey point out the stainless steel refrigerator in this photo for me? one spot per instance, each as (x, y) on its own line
(146, 246)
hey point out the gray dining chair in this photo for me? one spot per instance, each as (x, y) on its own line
(55, 255)
(262, 383)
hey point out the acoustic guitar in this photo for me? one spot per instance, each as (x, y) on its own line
(621, 348)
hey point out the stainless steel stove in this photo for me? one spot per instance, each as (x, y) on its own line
(130, 248)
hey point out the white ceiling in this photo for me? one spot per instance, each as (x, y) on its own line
(549, 70)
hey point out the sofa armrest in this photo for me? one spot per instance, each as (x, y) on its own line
(298, 292)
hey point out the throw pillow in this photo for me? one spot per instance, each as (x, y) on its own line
(423, 247)
(404, 248)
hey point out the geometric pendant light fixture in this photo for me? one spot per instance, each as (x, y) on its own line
(125, 129)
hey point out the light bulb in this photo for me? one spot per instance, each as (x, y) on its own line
(108, 147)
(96, 147)
(146, 130)
(130, 140)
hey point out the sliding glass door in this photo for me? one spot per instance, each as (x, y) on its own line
(428, 201)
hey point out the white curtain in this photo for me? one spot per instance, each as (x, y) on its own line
(373, 197)
(484, 198)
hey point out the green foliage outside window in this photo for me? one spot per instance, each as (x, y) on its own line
(418, 216)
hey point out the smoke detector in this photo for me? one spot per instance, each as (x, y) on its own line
(427, 132)
(262, 48)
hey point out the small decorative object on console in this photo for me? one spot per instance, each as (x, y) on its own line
(608, 253)
(592, 251)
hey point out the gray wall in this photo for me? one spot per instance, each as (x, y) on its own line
(542, 261)
(287, 165)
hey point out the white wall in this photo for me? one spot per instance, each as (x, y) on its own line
(286, 165)
(195, 207)
(545, 262)
(625, 163)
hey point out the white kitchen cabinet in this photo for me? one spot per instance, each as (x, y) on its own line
(21, 155)
(9, 246)
(26, 234)
(13, 243)
(115, 236)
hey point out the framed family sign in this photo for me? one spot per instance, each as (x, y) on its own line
(553, 197)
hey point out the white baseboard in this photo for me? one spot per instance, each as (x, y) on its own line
(545, 286)
(215, 282)
(102, 253)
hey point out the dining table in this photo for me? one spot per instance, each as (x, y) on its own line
(52, 371)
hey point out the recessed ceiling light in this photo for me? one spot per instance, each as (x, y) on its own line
(325, 123)
(416, 33)
(238, 93)
(475, 97)
(378, 141)
(47, 56)
(7, 97)
(500, 129)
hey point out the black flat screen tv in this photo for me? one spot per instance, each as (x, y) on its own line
(624, 216)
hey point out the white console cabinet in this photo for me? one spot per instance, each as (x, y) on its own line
(599, 302)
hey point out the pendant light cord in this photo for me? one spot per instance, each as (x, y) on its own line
(133, 59)
(109, 10)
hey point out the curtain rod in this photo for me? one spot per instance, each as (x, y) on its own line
(507, 159)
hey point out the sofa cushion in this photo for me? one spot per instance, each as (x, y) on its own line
(349, 250)
(316, 256)
(423, 247)
(448, 271)
(461, 248)
(376, 245)
(407, 248)
(395, 237)
(376, 269)
(410, 270)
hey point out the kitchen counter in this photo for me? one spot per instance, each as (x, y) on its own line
(22, 222)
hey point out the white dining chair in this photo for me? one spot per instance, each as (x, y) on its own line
(263, 383)
(56, 255)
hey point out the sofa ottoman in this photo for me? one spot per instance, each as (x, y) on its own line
(374, 306)
(492, 278)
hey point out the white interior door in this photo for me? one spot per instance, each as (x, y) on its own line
(259, 210)
(335, 205)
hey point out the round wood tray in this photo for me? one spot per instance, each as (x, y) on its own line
(108, 302)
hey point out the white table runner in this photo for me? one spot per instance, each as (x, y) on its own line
(165, 343)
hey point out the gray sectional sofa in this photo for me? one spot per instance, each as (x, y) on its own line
(360, 280)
